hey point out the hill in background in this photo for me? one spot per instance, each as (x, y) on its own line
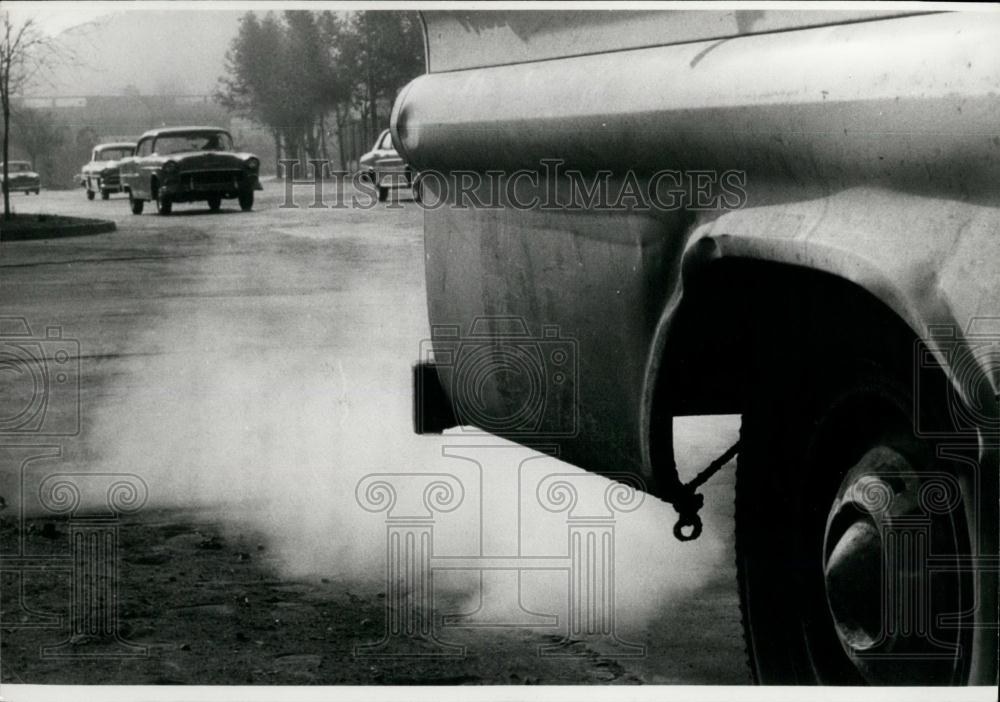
(156, 52)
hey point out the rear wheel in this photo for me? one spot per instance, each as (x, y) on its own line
(105, 194)
(838, 505)
(246, 200)
(135, 204)
(214, 203)
(383, 193)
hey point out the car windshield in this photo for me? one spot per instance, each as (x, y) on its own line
(114, 154)
(193, 141)
(18, 166)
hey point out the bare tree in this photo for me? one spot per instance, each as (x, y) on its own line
(23, 51)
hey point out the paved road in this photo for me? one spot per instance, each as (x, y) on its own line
(255, 366)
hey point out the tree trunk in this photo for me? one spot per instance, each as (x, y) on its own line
(309, 137)
(370, 85)
(322, 137)
(6, 153)
(341, 121)
(5, 104)
(277, 152)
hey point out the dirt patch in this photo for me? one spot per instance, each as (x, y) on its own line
(198, 605)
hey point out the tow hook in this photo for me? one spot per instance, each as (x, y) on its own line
(688, 502)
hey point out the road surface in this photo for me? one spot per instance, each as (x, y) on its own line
(246, 372)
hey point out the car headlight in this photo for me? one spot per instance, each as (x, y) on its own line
(170, 167)
(253, 164)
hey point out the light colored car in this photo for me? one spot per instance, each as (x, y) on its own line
(189, 164)
(102, 174)
(846, 303)
(385, 169)
(22, 177)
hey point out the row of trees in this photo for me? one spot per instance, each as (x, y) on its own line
(306, 76)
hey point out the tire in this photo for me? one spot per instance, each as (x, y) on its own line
(105, 194)
(383, 193)
(38, 191)
(135, 204)
(27, 192)
(415, 189)
(813, 567)
(214, 203)
(164, 206)
(246, 200)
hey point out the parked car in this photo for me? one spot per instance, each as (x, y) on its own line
(22, 177)
(383, 167)
(189, 164)
(102, 174)
(847, 305)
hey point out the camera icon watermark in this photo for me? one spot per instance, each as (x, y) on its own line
(503, 380)
(39, 381)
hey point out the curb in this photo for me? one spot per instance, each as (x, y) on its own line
(64, 230)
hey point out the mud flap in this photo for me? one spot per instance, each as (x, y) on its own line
(432, 410)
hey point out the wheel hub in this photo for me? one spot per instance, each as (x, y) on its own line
(853, 584)
(880, 529)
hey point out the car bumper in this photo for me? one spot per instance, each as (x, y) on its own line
(25, 184)
(112, 182)
(187, 187)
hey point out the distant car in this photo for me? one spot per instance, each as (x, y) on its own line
(102, 175)
(22, 178)
(385, 168)
(189, 164)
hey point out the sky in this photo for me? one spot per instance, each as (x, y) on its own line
(155, 48)
(55, 17)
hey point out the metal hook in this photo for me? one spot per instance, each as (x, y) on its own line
(684, 522)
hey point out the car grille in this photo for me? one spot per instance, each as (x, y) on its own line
(111, 180)
(209, 178)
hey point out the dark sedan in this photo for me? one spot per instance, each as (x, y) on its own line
(189, 164)
(22, 177)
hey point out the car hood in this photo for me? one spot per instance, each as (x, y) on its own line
(207, 160)
(100, 165)
(373, 157)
